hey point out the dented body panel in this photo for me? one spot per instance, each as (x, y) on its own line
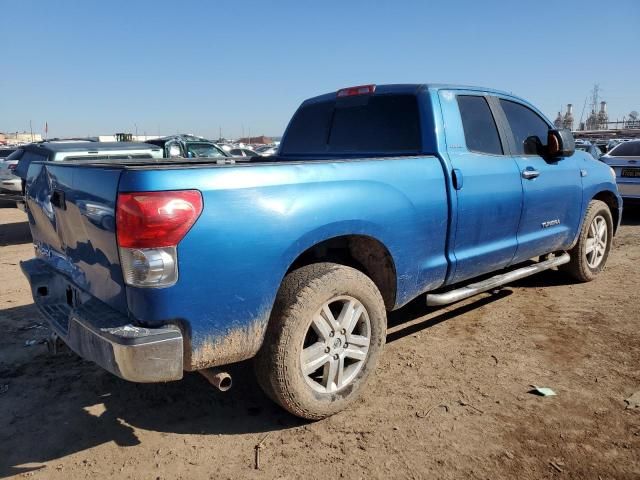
(406, 220)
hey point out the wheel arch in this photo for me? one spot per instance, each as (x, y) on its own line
(611, 200)
(362, 252)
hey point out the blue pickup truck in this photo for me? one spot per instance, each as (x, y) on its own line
(378, 195)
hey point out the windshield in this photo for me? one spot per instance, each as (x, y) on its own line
(204, 150)
(626, 149)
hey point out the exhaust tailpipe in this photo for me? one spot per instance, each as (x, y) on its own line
(219, 379)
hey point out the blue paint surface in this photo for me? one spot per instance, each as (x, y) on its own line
(258, 218)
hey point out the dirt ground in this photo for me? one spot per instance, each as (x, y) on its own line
(450, 400)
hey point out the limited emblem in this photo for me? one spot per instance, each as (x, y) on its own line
(551, 223)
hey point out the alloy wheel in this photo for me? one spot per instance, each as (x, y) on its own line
(596, 245)
(336, 344)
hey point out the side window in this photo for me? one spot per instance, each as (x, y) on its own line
(480, 131)
(524, 123)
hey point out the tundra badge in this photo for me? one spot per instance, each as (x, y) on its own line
(551, 223)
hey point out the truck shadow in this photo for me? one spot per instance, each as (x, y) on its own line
(64, 405)
(631, 215)
(14, 233)
(56, 406)
(417, 316)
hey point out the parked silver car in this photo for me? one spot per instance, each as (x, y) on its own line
(243, 152)
(10, 183)
(267, 150)
(625, 160)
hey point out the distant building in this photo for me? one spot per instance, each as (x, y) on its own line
(558, 122)
(261, 139)
(603, 116)
(19, 137)
(567, 122)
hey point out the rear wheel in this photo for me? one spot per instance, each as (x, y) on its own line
(325, 335)
(590, 254)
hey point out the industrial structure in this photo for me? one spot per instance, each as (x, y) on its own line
(597, 124)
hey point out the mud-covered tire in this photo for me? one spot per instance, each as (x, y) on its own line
(581, 266)
(303, 295)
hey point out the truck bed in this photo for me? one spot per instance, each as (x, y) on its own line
(258, 218)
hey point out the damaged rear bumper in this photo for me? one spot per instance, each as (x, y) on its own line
(100, 334)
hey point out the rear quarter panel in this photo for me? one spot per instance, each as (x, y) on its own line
(258, 219)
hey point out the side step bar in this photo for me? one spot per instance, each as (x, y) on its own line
(452, 296)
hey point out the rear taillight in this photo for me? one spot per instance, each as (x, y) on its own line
(359, 90)
(149, 226)
(12, 166)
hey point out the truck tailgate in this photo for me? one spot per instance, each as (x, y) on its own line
(72, 219)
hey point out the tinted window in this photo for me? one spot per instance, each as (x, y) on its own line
(480, 131)
(17, 155)
(368, 125)
(626, 149)
(25, 161)
(524, 123)
(308, 130)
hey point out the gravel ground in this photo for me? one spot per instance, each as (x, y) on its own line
(449, 400)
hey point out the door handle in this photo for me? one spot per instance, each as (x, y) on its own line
(530, 173)
(456, 175)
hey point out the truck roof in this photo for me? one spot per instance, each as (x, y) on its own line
(412, 88)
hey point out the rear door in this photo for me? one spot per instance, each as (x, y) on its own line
(552, 188)
(71, 215)
(487, 187)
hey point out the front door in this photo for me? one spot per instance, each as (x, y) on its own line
(552, 188)
(487, 188)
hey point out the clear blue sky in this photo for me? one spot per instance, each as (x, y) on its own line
(97, 67)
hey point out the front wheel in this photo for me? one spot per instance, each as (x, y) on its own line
(326, 332)
(590, 254)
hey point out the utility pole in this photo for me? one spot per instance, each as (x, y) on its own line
(31, 130)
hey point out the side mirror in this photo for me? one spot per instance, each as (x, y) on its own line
(560, 143)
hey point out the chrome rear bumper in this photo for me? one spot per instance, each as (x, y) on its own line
(98, 333)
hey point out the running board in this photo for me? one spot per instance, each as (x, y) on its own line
(452, 296)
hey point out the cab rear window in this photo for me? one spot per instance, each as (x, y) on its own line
(367, 125)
